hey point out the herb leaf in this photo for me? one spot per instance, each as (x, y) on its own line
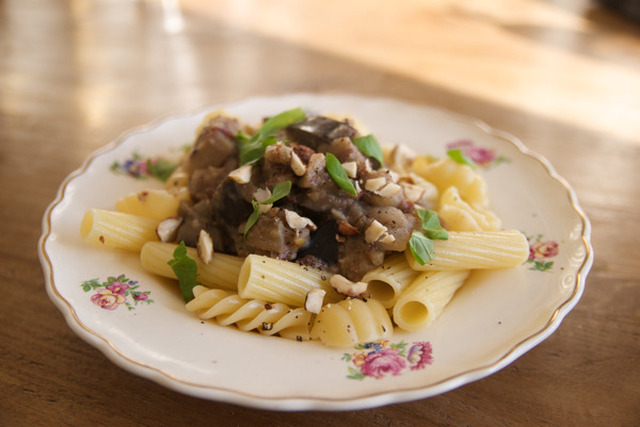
(253, 149)
(253, 218)
(421, 242)
(431, 224)
(421, 247)
(186, 270)
(280, 190)
(369, 146)
(339, 175)
(281, 121)
(459, 157)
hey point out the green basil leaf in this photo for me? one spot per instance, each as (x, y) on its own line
(253, 149)
(431, 224)
(421, 247)
(242, 137)
(186, 270)
(281, 121)
(369, 146)
(280, 190)
(339, 175)
(253, 218)
(459, 157)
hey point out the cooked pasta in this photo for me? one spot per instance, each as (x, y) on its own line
(117, 229)
(476, 249)
(178, 180)
(458, 215)
(276, 280)
(352, 321)
(232, 166)
(221, 272)
(266, 318)
(445, 172)
(426, 297)
(158, 204)
(386, 282)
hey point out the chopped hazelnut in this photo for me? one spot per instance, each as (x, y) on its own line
(344, 286)
(387, 238)
(205, 247)
(297, 222)
(374, 232)
(378, 232)
(260, 195)
(374, 184)
(389, 190)
(278, 153)
(242, 175)
(167, 230)
(297, 165)
(351, 168)
(412, 192)
(313, 300)
(347, 229)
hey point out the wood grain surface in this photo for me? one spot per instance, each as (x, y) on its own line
(563, 76)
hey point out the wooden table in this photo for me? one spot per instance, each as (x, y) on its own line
(564, 78)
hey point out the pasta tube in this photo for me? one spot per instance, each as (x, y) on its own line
(117, 229)
(352, 321)
(426, 298)
(276, 280)
(221, 272)
(475, 249)
(387, 281)
(158, 204)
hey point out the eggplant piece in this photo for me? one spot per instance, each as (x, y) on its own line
(317, 130)
(232, 207)
(323, 244)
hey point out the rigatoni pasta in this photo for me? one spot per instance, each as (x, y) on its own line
(275, 280)
(117, 229)
(158, 204)
(387, 281)
(426, 297)
(222, 272)
(476, 249)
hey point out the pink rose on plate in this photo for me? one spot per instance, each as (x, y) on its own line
(378, 364)
(480, 156)
(420, 355)
(106, 299)
(546, 249)
(140, 296)
(118, 287)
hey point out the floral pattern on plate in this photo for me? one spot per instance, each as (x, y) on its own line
(382, 358)
(140, 167)
(481, 156)
(116, 291)
(540, 251)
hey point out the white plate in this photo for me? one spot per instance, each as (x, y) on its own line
(493, 319)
